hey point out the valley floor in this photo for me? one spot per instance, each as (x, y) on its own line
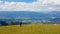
(31, 29)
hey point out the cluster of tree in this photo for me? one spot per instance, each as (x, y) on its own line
(4, 23)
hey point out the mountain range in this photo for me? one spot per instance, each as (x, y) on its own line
(52, 16)
(14, 14)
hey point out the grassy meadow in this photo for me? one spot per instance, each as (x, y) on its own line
(31, 29)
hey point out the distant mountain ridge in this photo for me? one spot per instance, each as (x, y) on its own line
(14, 14)
(53, 16)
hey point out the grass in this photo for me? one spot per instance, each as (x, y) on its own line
(31, 29)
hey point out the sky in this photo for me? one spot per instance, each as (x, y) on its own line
(30, 5)
(19, 0)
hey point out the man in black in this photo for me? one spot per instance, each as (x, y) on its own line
(20, 24)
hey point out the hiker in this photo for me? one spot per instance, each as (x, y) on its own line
(20, 24)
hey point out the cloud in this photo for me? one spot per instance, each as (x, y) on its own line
(39, 5)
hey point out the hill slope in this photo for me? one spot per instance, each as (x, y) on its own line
(31, 29)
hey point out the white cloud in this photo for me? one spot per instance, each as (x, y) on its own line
(39, 5)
